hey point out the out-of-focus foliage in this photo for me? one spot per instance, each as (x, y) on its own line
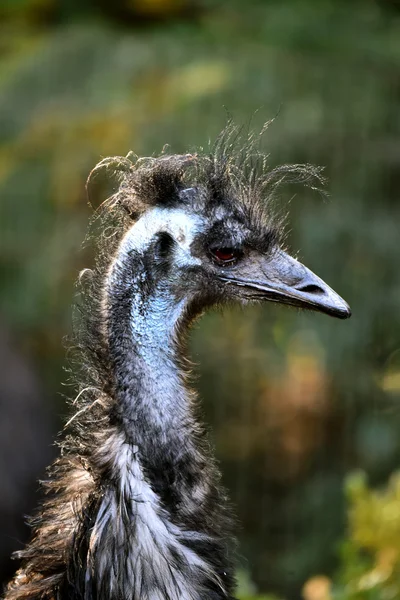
(369, 566)
(295, 401)
(370, 556)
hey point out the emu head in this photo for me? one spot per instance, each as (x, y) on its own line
(207, 233)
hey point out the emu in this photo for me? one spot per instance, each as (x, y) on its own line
(133, 508)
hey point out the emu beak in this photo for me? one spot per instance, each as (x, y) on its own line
(283, 279)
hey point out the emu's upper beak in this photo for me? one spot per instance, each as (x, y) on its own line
(283, 279)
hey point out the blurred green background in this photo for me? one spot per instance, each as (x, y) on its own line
(296, 402)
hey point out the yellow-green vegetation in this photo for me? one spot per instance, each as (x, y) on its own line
(370, 555)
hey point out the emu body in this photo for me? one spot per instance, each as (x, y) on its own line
(134, 509)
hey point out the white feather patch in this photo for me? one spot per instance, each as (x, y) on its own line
(134, 553)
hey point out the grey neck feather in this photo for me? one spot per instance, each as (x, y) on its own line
(165, 507)
(149, 384)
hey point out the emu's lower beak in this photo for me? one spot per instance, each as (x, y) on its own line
(283, 279)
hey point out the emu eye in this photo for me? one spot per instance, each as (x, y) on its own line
(225, 255)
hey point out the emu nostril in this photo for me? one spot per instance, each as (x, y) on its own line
(311, 289)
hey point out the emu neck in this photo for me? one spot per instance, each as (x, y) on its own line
(150, 395)
(152, 406)
(164, 484)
